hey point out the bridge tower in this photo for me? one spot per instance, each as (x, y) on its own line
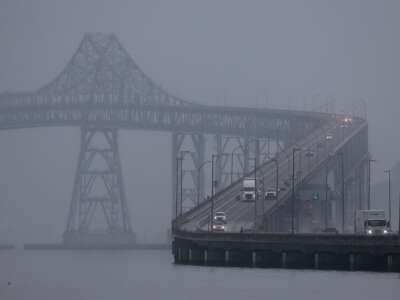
(98, 214)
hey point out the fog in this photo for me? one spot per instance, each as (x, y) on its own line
(287, 54)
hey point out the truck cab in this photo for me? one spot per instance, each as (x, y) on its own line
(376, 227)
(371, 222)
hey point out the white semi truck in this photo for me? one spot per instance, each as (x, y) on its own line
(371, 222)
(248, 190)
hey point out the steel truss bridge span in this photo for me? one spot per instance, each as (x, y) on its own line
(102, 90)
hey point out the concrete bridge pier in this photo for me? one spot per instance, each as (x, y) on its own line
(254, 259)
(316, 260)
(389, 260)
(351, 261)
(284, 259)
(393, 263)
(227, 257)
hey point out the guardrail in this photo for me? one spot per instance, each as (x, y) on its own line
(303, 238)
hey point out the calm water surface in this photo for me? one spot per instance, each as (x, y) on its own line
(151, 274)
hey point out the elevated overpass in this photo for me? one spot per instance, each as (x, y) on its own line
(315, 156)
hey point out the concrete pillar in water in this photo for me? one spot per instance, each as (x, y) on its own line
(316, 260)
(205, 257)
(254, 258)
(284, 254)
(190, 255)
(389, 263)
(351, 261)
(179, 254)
(226, 257)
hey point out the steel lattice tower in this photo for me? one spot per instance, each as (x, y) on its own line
(99, 190)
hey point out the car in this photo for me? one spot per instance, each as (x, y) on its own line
(330, 230)
(220, 216)
(270, 194)
(346, 122)
(218, 226)
(329, 136)
(309, 153)
(282, 189)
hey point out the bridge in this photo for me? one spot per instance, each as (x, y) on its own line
(318, 161)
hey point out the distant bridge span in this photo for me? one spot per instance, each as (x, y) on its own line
(102, 90)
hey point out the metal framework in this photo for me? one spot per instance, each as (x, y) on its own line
(98, 187)
(102, 90)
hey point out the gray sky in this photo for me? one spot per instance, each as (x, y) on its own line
(248, 53)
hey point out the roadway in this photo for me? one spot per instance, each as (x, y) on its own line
(315, 149)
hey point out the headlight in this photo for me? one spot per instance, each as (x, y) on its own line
(214, 227)
(385, 231)
(369, 231)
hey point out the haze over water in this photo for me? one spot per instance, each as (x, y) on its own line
(106, 275)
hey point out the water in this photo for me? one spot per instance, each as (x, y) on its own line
(151, 274)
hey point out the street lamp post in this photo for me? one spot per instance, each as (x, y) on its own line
(212, 189)
(176, 187)
(326, 195)
(232, 153)
(275, 160)
(399, 216)
(369, 181)
(181, 200)
(341, 154)
(198, 179)
(293, 194)
(256, 193)
(182, 155)
(389, 204)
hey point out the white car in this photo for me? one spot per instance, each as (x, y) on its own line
(220, 216)
(218, 226)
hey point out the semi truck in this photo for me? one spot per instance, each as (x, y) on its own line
(248, 190)
(371, 222)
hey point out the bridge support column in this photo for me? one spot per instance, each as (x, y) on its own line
(205, 255)
(254, 259)
(98, 173)
(316, 260)
(351, 261)
(284, 259)
(179, 254)
(227, 258)
(389, 259)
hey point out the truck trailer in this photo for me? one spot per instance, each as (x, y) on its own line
(248, 190)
